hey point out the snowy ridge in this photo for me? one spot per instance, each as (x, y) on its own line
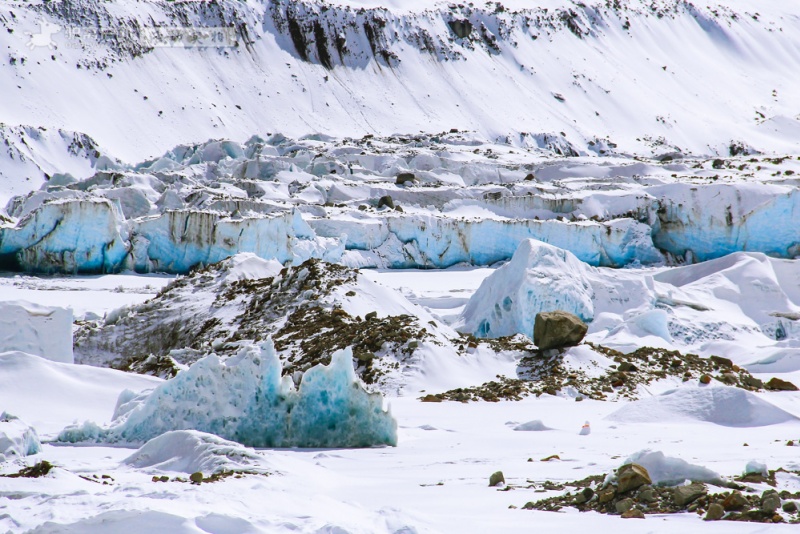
(627, 70)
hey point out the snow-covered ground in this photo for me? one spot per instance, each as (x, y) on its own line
(435, 480)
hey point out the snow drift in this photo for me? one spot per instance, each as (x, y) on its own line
(189, 451)
(725, 406)
(245, 399)
(48, 394)
(45, 331)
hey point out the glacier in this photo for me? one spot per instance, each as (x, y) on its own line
(244, 399)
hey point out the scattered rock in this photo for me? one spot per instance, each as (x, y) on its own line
(196, 477)
(462, 28)
(365, 356)
(35, 471)
(624, 505)
(431, 398)
(605, 496)
(634, 513)
(683, 495)
(647, 495)
(770, 502)
(715, 512)
(557, 329)
(722, 362)
(584, 496)
(705, 379)
(387, 201)
(496, 479)
(551, 457)
(404, 177)
(734, 501)
(776, 384)
(371, 315)
(790, 507)
(631, 477)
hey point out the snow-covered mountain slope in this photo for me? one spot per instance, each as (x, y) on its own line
(31, 156)
(642, 77)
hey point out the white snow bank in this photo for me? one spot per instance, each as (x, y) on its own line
(726, 406)
(669, 471)
(45, 331)
(17, 438)
(48, 395)
(189, 451)
(248, 266)
(246, 400)
(125, 521)
(539, 278)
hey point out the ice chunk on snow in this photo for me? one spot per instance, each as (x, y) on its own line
(670, 471)
(246, 400)
(726, 406)
(539, 278)
(189, 451)
(756, 467)
(45, 331)
(17, 438)
(532, 426)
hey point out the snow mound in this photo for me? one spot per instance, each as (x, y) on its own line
(669, 471)
(245, 399)
(45, 331)
(189, 451)
(539, 278)
(17, 438)
(48, 395)
(248, 266)
(726, 406)
(532, 426)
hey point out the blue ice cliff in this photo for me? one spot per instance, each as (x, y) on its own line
(245, 399)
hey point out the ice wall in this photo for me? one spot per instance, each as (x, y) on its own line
(244, 399)
(67, 236)
(45, 331)
(433, 241)
(709, 222)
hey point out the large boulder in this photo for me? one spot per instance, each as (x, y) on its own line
(631, 477)
(554, 330)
